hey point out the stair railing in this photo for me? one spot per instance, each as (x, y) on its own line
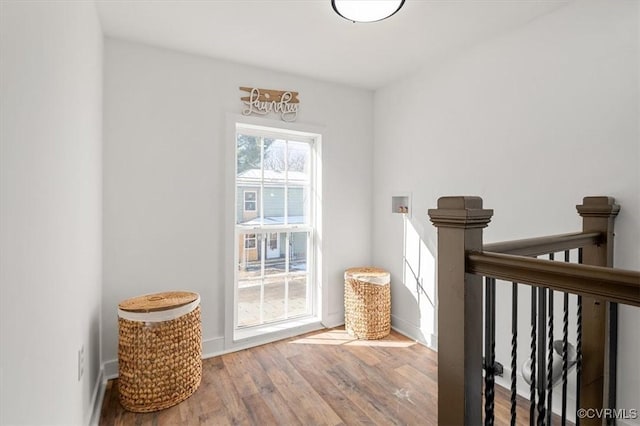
(463, 261)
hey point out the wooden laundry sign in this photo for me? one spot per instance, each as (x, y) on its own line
(264, 101)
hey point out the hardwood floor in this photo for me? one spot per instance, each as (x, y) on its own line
(321, 378)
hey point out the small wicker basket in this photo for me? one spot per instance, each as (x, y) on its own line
(159, 350)
(367, 302)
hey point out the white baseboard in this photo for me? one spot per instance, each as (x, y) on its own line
(411, 331)
(212, 347)
(110, 369)
(333, 320)
(96, 399)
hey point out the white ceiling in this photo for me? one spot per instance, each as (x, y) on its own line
(306, 37)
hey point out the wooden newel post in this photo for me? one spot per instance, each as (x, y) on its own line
(459, 221)
(599, 318)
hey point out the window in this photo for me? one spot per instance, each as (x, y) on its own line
(250, 241)
(250, 201)
(273, 241)
(274, 278)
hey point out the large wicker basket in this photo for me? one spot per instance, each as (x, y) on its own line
(159, 350)
(367, 302)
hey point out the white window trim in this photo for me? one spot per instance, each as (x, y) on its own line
(320, 280)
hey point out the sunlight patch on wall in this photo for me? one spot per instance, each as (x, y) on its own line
(419, 276)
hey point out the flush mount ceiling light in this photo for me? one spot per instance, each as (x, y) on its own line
(366, 10)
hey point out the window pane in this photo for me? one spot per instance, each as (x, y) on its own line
(248, 303)
(298, 205)
(274, 276)
(298, 158)
(298, 247)
(274, 299)
(249, 249)
(248, 205)
(250, 299)
(274, 160)
(273, 204)
(298, 277)
(298, 296)
(248, 157)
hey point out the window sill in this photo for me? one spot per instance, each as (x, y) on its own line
(276, 330)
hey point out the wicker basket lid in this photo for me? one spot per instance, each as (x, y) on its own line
(158, 301)
(368, 274)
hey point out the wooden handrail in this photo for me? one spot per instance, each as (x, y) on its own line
(608, 284)
(545, 245)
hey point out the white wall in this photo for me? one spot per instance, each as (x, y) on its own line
(531, 121)
(164, 176)
(50, 210)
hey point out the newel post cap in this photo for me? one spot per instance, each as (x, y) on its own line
(598, 207)
(460, 212)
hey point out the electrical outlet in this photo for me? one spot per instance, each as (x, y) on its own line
(80, 362)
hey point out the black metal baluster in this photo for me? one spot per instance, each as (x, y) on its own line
(542, 348)
(565, 348)
(579, 348)
(579, 357)
(534, 333)
(550, 359)
(514, 349)
(489, 349)
(550, 352)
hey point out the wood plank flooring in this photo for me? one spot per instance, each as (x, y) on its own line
(321, 378)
